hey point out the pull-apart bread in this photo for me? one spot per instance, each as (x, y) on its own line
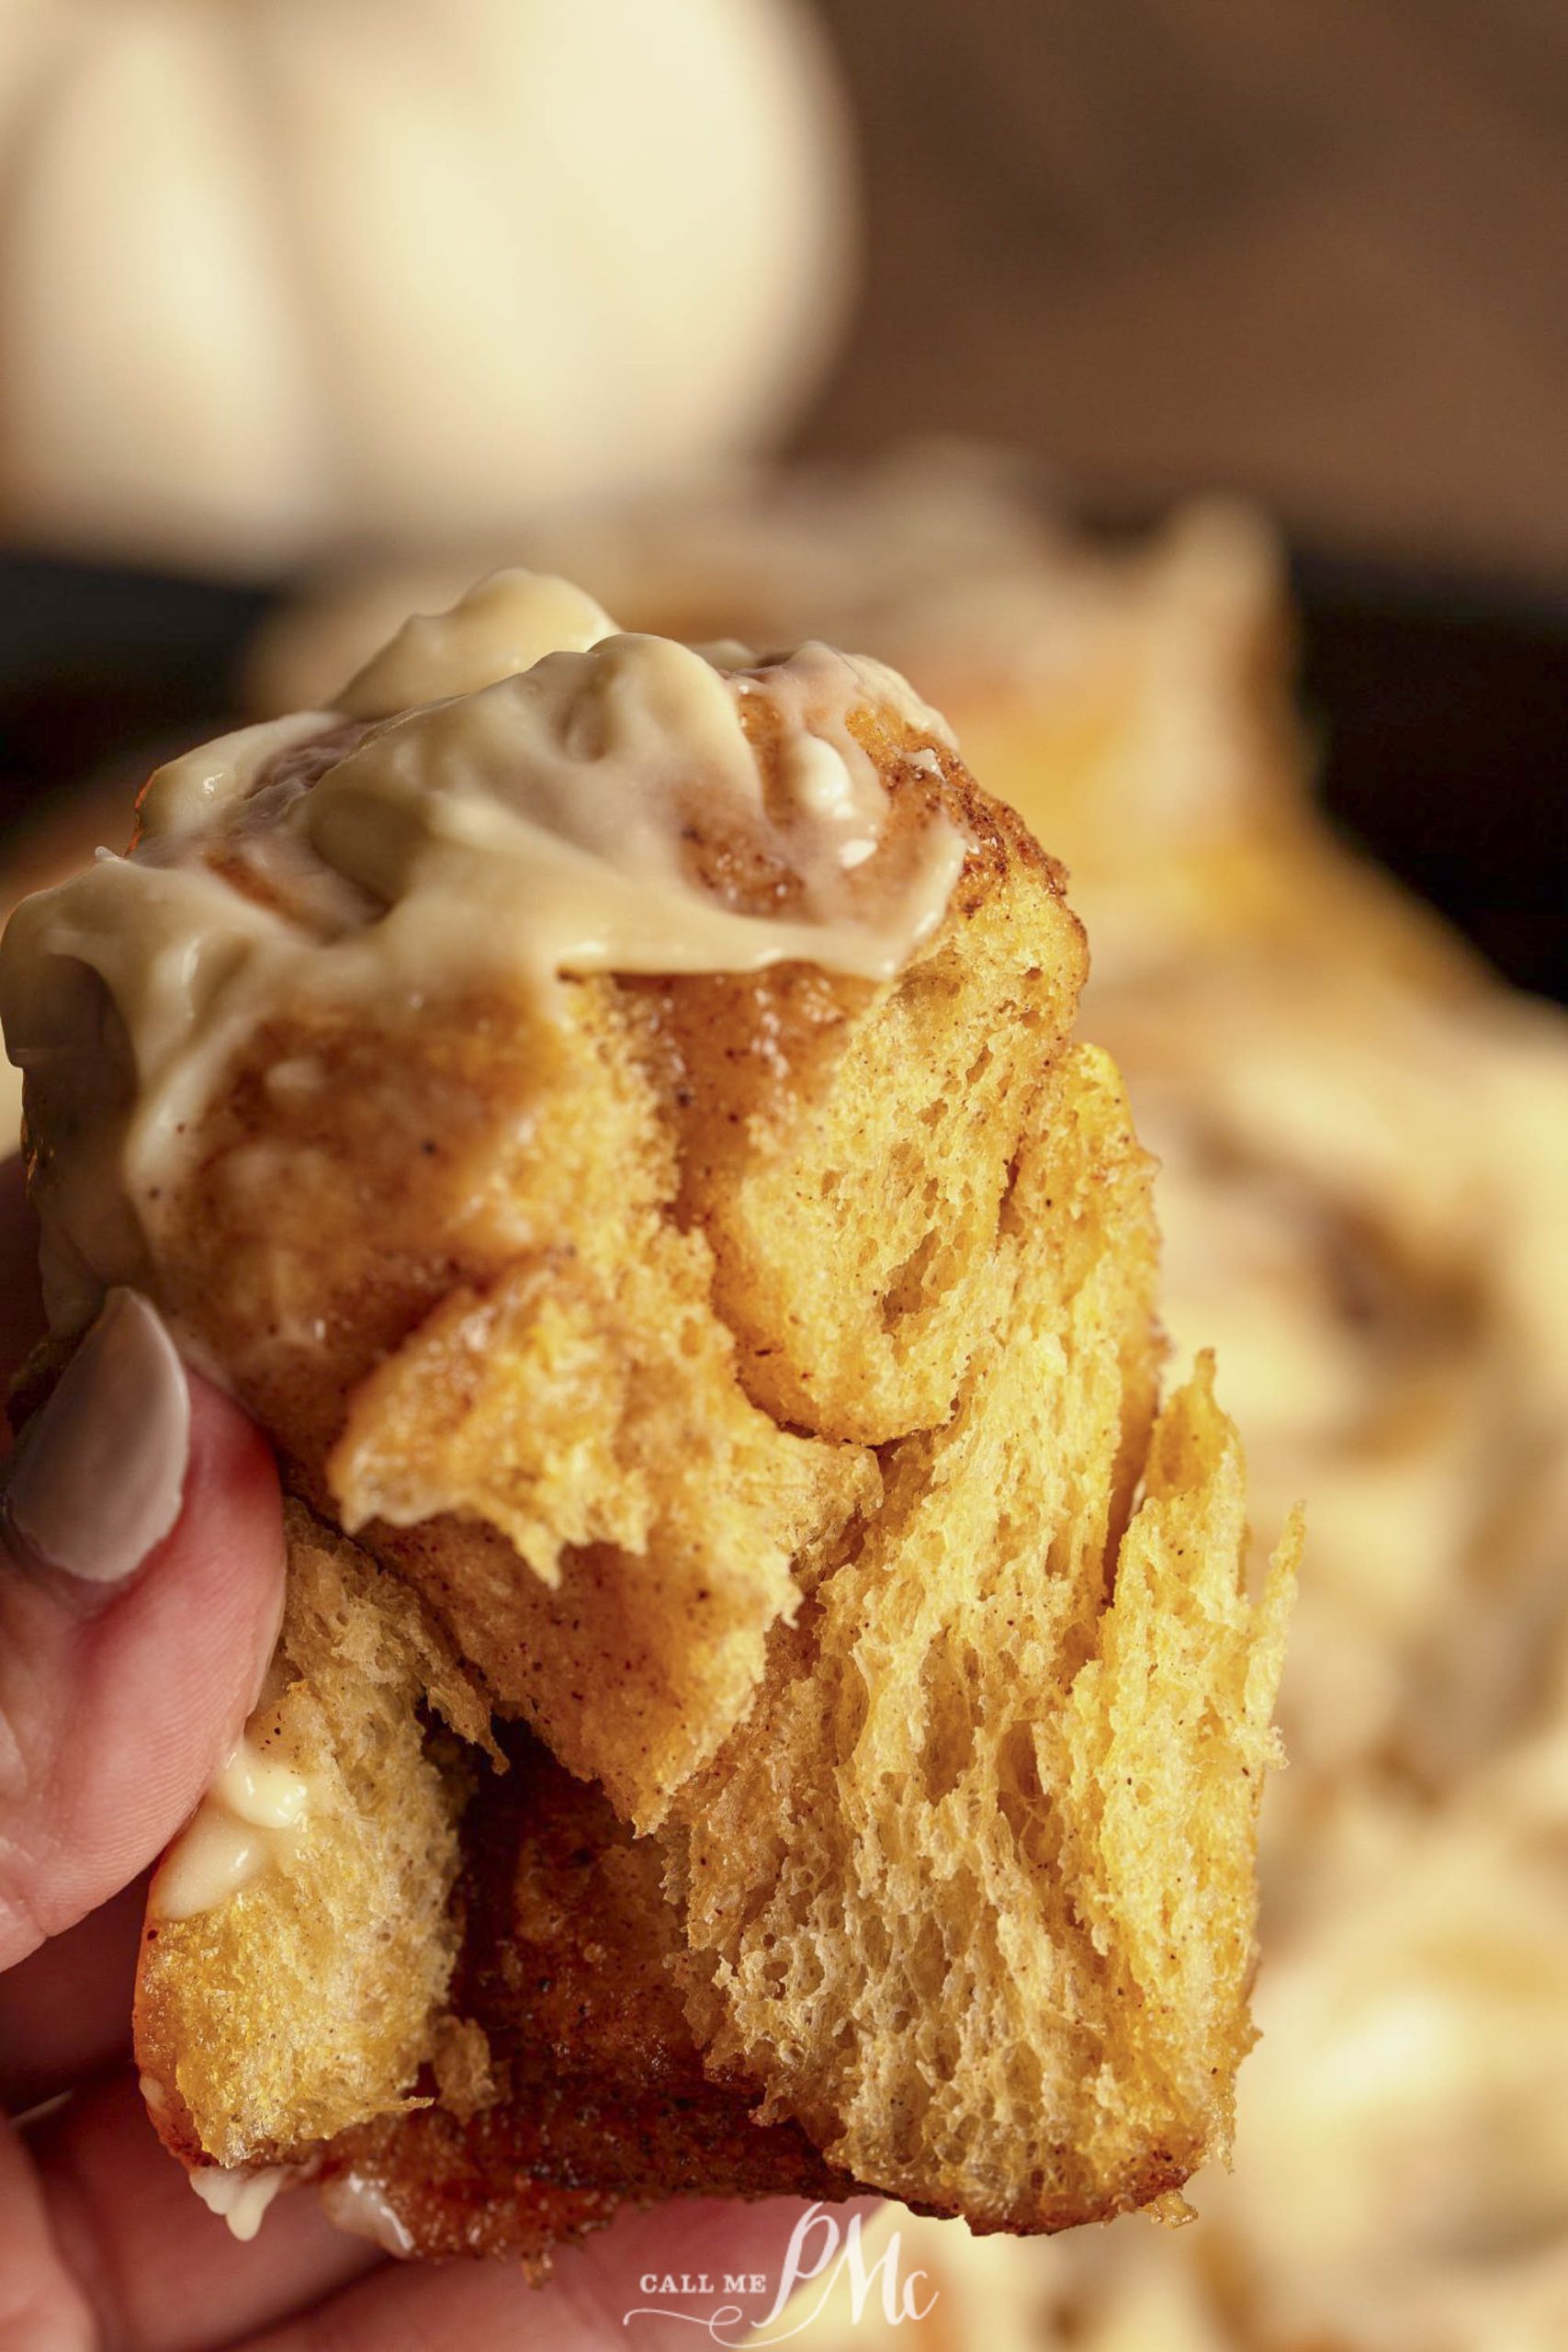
(768, 1700)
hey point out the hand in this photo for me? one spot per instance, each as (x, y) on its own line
(141, 1584)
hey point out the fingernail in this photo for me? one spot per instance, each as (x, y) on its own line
(97, 1476)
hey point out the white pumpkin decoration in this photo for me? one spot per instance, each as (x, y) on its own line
(284, 276)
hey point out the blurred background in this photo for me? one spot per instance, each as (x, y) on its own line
(1314, 251)
(286, 284)
(1179, 391)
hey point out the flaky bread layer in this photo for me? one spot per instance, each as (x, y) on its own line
(970, 1892)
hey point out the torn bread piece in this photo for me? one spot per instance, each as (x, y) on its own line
(441, 1988)
(970, 1891)
(301, 1933)
(618, 1126)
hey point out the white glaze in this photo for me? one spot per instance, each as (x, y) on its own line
(503, 625)
(362, 2210)
(254, 1813)
(241, 2196)
(530, 823)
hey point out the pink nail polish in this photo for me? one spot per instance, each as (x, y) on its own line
(97, 1476)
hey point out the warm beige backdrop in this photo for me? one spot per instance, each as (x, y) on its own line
(1315, 248)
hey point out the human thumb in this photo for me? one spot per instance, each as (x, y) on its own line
(140, 1586)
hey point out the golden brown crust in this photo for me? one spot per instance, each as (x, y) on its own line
(600, 2093)
(564, 2078)
(789, 1090)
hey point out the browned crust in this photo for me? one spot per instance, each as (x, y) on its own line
(725, 1049)
(601, 2098)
